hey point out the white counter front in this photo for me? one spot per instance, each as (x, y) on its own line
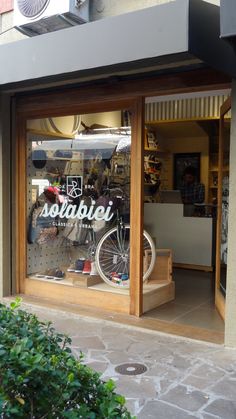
(190, 238)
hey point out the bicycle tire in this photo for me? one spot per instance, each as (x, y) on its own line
(101, 248)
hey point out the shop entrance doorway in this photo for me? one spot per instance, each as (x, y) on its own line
(191, 237)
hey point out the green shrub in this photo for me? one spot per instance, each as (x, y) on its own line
(39, 377)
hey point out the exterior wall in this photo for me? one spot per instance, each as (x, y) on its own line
(5, 198)
(105, 8)
(167, 35)
(102, 8)
(230, 325)
(6, 6)
(98, 10)
(7, 32)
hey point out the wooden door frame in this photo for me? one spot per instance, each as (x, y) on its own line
(136, 107)
(219, 298)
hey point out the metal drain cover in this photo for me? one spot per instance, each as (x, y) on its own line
(131, 369)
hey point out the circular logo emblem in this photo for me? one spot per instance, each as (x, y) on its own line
(32, 8)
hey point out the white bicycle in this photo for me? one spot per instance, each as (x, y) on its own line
(112, 255)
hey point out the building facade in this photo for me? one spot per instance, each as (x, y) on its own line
(98, 123)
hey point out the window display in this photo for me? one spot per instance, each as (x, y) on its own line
(78, 208)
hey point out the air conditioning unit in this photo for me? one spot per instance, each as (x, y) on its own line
(35, 17)
(228, 19)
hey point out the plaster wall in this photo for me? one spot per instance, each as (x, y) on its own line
(98, 9)
(230, 325)
(113, 40)
(5, 198)
(104, 8)
(7, 32)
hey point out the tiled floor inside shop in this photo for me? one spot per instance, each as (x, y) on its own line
(194, 302)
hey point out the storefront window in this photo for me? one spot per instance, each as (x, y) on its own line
(78, 200)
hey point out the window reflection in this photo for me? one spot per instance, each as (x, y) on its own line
(78, 190)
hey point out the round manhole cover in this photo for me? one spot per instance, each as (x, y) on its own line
(131, 369)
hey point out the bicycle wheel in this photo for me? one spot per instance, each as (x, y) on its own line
(113, 256)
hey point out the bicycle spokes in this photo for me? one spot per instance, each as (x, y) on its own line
(113, 256)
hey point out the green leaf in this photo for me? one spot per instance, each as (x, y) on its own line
(38, 358)
(16, 304)
(71, 377)
(38, 371)
(110, 385)
(120, 399)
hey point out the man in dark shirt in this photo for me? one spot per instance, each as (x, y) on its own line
(192, 192)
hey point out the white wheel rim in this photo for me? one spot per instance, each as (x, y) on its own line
(101, 269)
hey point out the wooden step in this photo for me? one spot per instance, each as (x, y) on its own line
(157, 295)
(82, 280)
(162, 271)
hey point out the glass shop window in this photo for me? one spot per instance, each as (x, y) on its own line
(78, 200)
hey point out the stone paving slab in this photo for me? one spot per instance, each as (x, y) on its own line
(160, 410)
(222, 408)
(184, 378)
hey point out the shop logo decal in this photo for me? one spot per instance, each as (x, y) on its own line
(74, 186)
(80, 211)
(74, 189)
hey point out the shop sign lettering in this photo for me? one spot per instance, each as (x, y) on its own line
(70, 211)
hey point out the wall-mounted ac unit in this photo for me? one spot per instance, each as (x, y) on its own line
(35, 17)
(228, 19)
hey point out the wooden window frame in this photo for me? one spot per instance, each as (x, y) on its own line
(102, 97)
(135, 106)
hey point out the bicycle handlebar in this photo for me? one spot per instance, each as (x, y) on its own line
(115, 191)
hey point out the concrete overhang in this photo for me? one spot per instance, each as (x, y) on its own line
(158, 37)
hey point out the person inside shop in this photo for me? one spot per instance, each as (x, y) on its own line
(192, 192)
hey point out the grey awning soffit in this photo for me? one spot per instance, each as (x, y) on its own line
(138, 36)
(205, 40)
(144, 38)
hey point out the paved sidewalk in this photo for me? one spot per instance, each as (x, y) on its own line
(184, 378)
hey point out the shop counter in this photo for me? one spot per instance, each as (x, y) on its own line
(190, 238)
